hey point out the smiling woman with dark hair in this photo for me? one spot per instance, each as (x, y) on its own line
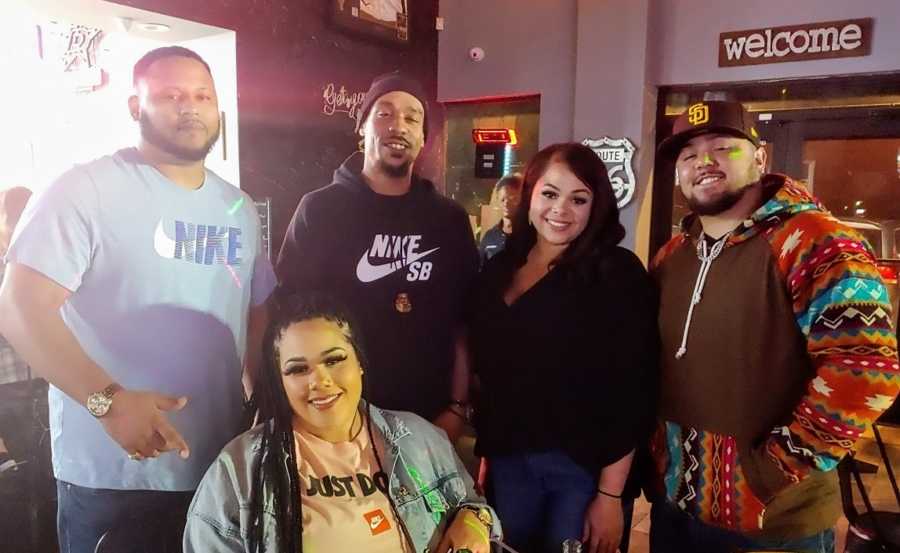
(563, 408)
(329, 471)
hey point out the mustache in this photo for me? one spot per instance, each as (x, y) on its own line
(705, 174)
(191, 122)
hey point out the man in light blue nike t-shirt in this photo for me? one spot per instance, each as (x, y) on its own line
(136, 286)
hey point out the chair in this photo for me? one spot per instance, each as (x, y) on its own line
(870, 531)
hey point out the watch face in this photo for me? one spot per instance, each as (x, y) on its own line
(485, 517)
(482, 513)
(98, 404)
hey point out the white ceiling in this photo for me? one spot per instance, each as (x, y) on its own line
(110, 16)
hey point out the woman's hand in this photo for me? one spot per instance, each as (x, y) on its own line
(603, 525)
(465, 532)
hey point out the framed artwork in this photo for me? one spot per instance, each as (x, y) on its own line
(387, 20)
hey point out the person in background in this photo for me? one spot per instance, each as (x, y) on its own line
(330, 471)
(15, 375)
(562, 334)
(508, 193)
(136, 285)
(777, 349)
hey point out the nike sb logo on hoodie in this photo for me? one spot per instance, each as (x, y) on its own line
(391, 253)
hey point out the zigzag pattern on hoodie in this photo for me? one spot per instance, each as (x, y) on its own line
(843, 308)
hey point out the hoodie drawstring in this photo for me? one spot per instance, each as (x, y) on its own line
(706, 255)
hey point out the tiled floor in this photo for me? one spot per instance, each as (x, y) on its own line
(640, 527)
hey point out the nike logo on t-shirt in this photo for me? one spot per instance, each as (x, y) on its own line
(378, 522)
(200, 244)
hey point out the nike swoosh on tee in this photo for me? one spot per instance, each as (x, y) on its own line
(366, 272)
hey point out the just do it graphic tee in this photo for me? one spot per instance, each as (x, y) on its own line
(344, 495)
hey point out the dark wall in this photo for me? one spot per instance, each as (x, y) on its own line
(287, 52)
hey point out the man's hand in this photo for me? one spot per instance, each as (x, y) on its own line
(137, 422)
(603, 525)
(451, 422)
(465, 532)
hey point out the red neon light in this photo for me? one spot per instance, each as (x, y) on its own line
(495, 136)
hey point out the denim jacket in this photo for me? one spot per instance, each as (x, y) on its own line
(428, 483)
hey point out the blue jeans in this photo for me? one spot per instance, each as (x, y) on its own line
(144, 520)
(541, 499)
(674, 531)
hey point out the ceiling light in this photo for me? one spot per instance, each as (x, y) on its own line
(153, 27)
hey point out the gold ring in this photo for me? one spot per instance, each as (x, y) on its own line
(134, 456)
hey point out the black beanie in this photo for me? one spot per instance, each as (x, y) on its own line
(391, 82)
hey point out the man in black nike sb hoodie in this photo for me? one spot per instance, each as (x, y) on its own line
(398, 254)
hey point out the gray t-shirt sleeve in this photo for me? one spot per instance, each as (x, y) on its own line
(55, 234)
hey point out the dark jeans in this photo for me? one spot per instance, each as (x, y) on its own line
(674, 531)
(541, 499)
(137, 521)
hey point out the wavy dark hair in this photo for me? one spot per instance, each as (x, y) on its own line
(603, 230)
(277, 464)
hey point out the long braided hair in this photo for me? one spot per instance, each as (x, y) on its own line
(277, 465)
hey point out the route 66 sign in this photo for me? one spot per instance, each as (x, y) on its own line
(617, 154)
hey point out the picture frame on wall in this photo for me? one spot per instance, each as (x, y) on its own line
(385, 20)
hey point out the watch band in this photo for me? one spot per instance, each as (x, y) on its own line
(111, 390)
(482, 513)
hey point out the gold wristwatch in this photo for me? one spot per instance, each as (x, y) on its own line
(99, 403)
(483, 513)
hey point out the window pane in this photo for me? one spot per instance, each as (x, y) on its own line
(858, 179)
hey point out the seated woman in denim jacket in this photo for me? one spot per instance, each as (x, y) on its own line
(330, 472)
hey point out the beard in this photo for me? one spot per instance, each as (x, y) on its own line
(717, 205)
(395, 171)
(727, 200)
(151, 134)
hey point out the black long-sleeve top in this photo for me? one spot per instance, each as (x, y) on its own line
(571, 364)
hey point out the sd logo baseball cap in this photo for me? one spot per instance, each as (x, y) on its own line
(711, 117)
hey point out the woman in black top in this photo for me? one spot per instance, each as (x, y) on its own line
(563, 338)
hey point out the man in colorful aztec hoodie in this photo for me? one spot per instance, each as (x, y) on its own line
(777, 349)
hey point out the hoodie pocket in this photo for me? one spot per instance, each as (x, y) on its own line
(704, 477)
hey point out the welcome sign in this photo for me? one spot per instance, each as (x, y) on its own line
(813, 41)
